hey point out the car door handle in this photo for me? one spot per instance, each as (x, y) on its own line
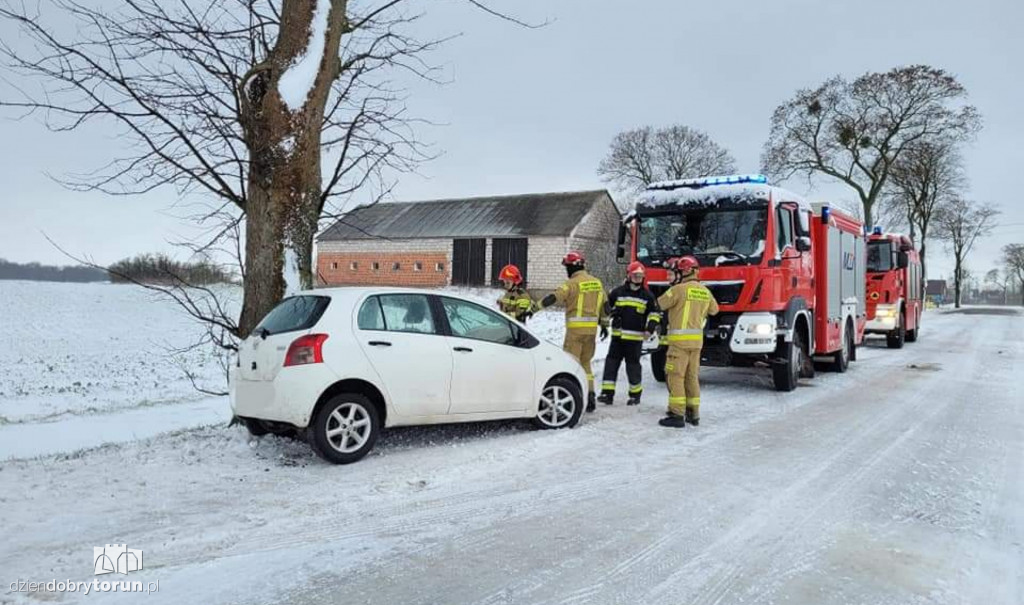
(464, 349)
(379, 343)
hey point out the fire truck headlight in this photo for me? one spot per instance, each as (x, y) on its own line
(761, 329)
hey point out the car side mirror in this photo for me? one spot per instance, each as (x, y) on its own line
(902, 260)
(620, 250)
(803, 243)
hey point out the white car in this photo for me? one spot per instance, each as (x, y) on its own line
(339, 365)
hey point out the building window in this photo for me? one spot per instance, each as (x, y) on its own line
(417, 266)
(353, 266)
(439, 267)
(376, 266)
(396, 266)
(334, 265)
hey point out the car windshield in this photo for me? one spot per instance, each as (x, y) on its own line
(879, 256)
(721, 235)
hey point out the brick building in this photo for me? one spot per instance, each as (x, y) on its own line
(467, 241)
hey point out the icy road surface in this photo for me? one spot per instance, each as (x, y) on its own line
(899, 482)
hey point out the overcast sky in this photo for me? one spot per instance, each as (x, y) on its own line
(534, 110)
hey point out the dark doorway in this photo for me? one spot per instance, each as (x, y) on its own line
(508, 251)
(469, 258)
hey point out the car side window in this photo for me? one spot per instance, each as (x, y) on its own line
(371, 317)
(469, 320)
(407, 313)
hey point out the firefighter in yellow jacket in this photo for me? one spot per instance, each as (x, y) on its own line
(686, 306)
(516, 301)
(584, 297)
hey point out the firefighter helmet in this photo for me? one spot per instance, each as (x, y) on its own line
(686, 265)
(573, 259)
(636, 267)
(511, 273)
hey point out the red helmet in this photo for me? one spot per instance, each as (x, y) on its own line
(511, 273)
(636, 267)
(686, 265)
(573, 259)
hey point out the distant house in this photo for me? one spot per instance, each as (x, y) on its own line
(467, 241)
(937, 290)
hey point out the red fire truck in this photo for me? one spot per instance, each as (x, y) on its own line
(789, 278)
(895, 300)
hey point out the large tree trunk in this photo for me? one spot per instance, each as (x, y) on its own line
(282, 131)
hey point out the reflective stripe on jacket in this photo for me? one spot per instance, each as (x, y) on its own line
(583, 296)
(632, 312)
(687, 306)
(516, 303)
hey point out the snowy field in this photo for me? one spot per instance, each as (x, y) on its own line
(901, 481)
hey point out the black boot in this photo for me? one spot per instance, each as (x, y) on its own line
(591, 402)
(692, 417)
(633, 400)
(674, 421)
(606, 398)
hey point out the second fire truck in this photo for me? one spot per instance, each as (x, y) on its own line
(789, 278)
(894, 293)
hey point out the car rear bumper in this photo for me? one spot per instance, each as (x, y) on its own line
(290, 397)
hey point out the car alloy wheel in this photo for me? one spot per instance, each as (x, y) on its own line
(557, 406)
(348, 427)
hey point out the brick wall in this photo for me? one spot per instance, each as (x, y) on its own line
(544, 255)
(335, 263)
(596, 236)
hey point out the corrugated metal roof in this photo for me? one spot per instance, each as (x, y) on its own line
(533, 214)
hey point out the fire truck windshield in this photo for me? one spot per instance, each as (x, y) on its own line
(715, 235)
(879, 256)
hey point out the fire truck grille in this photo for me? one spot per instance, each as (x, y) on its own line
(726, 294)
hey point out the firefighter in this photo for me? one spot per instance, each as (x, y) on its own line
(583, 296)
(686, 306)
(516, 302)
(634, 316)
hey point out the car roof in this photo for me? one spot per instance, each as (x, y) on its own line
(357, 292)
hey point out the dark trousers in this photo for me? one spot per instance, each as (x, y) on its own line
(617, 351)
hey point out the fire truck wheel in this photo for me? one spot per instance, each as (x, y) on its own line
(895, 338)
(658, 363)
(912, 334)
(786, 371)
(841, 358)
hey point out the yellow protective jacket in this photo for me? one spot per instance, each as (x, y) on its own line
(583, 296)
(686, 307)
(516, 303)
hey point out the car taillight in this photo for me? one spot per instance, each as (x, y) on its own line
(306, 349)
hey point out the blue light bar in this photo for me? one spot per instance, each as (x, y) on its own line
(826, 212)
(877, 230)
(735, 179)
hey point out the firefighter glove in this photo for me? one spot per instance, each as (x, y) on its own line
(604, 332)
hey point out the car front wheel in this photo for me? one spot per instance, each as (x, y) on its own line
(561, 405)
(345, 429)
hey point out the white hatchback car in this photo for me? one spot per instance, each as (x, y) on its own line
(339, 365)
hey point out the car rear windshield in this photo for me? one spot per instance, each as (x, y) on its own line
(294, 314)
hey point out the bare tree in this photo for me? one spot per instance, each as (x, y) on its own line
(636, 158)
(1013, 264)
(960, 224)
(854, 132)
(267, 116)
(926, 175)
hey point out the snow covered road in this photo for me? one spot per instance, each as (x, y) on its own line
(901, 481)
